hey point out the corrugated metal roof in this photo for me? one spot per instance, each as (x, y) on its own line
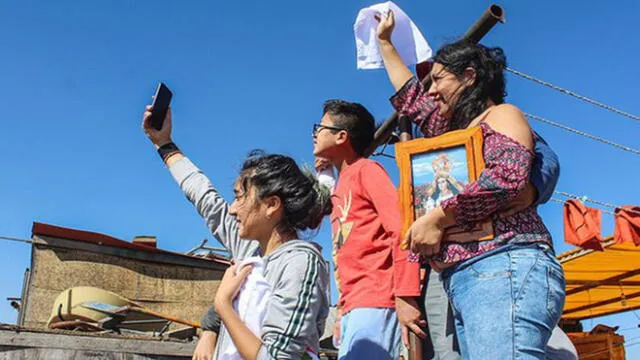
(106, 240)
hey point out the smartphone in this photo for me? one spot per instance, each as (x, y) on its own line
(161, 102)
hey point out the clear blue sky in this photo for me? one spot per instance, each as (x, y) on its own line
(76, 75)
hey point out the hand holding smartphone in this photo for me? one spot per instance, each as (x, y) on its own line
(161, 102)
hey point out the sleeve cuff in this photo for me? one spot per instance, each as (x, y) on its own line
(451, 204)
(397, 100)
(210, 321)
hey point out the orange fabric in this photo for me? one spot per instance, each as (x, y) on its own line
(582, 225)
(627, 225)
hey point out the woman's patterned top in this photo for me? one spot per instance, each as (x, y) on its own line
(507, 166)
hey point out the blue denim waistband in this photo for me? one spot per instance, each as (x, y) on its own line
(508, 247)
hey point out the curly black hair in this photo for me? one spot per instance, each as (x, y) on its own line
(304, 200)
(490, 82)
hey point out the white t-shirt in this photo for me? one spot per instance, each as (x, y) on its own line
(250, 304)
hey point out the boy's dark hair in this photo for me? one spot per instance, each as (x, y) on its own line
(355, 119)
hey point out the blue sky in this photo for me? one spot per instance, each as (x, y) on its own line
(77, 74)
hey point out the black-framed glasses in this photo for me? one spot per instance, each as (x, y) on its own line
(318, 127)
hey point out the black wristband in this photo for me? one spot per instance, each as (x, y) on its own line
(210, 321)
(167, 150)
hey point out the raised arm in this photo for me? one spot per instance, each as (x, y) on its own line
(398, 72)
(198, 189)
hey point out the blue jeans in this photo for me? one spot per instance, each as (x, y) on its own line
(506, 302)
(369, 334)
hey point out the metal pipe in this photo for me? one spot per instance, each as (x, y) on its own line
(382, 134)
(404, 124)
(477, 31)
(488, 20)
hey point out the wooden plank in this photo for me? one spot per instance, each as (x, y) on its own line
(23, 295)
(612, 300)
(93, 343)
(598, 346)
(602, 313)
(610, 280)
(15, 353)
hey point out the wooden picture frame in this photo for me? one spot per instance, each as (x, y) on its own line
(435, 169)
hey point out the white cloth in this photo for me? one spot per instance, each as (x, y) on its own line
(250, 304)
(406, 37)
(327, 178)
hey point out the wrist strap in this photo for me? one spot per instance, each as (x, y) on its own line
(167, 150)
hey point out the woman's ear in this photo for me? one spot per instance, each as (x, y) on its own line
(272, 204)
(469, 76)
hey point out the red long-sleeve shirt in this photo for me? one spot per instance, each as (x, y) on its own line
(370, 266)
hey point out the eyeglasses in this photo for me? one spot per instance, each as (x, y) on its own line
(318, 127)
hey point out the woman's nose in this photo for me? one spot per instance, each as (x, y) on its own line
(432, 91)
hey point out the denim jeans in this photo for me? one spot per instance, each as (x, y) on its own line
(369, 334)
(506, 302)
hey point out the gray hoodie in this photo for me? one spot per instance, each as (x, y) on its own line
(298, 274)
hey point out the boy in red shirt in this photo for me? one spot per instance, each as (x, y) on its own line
(377, 284)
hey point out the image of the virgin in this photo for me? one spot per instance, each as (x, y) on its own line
(444, 187)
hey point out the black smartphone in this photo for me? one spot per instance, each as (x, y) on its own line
(161, 102)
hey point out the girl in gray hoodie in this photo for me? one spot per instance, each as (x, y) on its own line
(274, 201)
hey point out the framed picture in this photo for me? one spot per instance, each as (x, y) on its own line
(435, 169)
